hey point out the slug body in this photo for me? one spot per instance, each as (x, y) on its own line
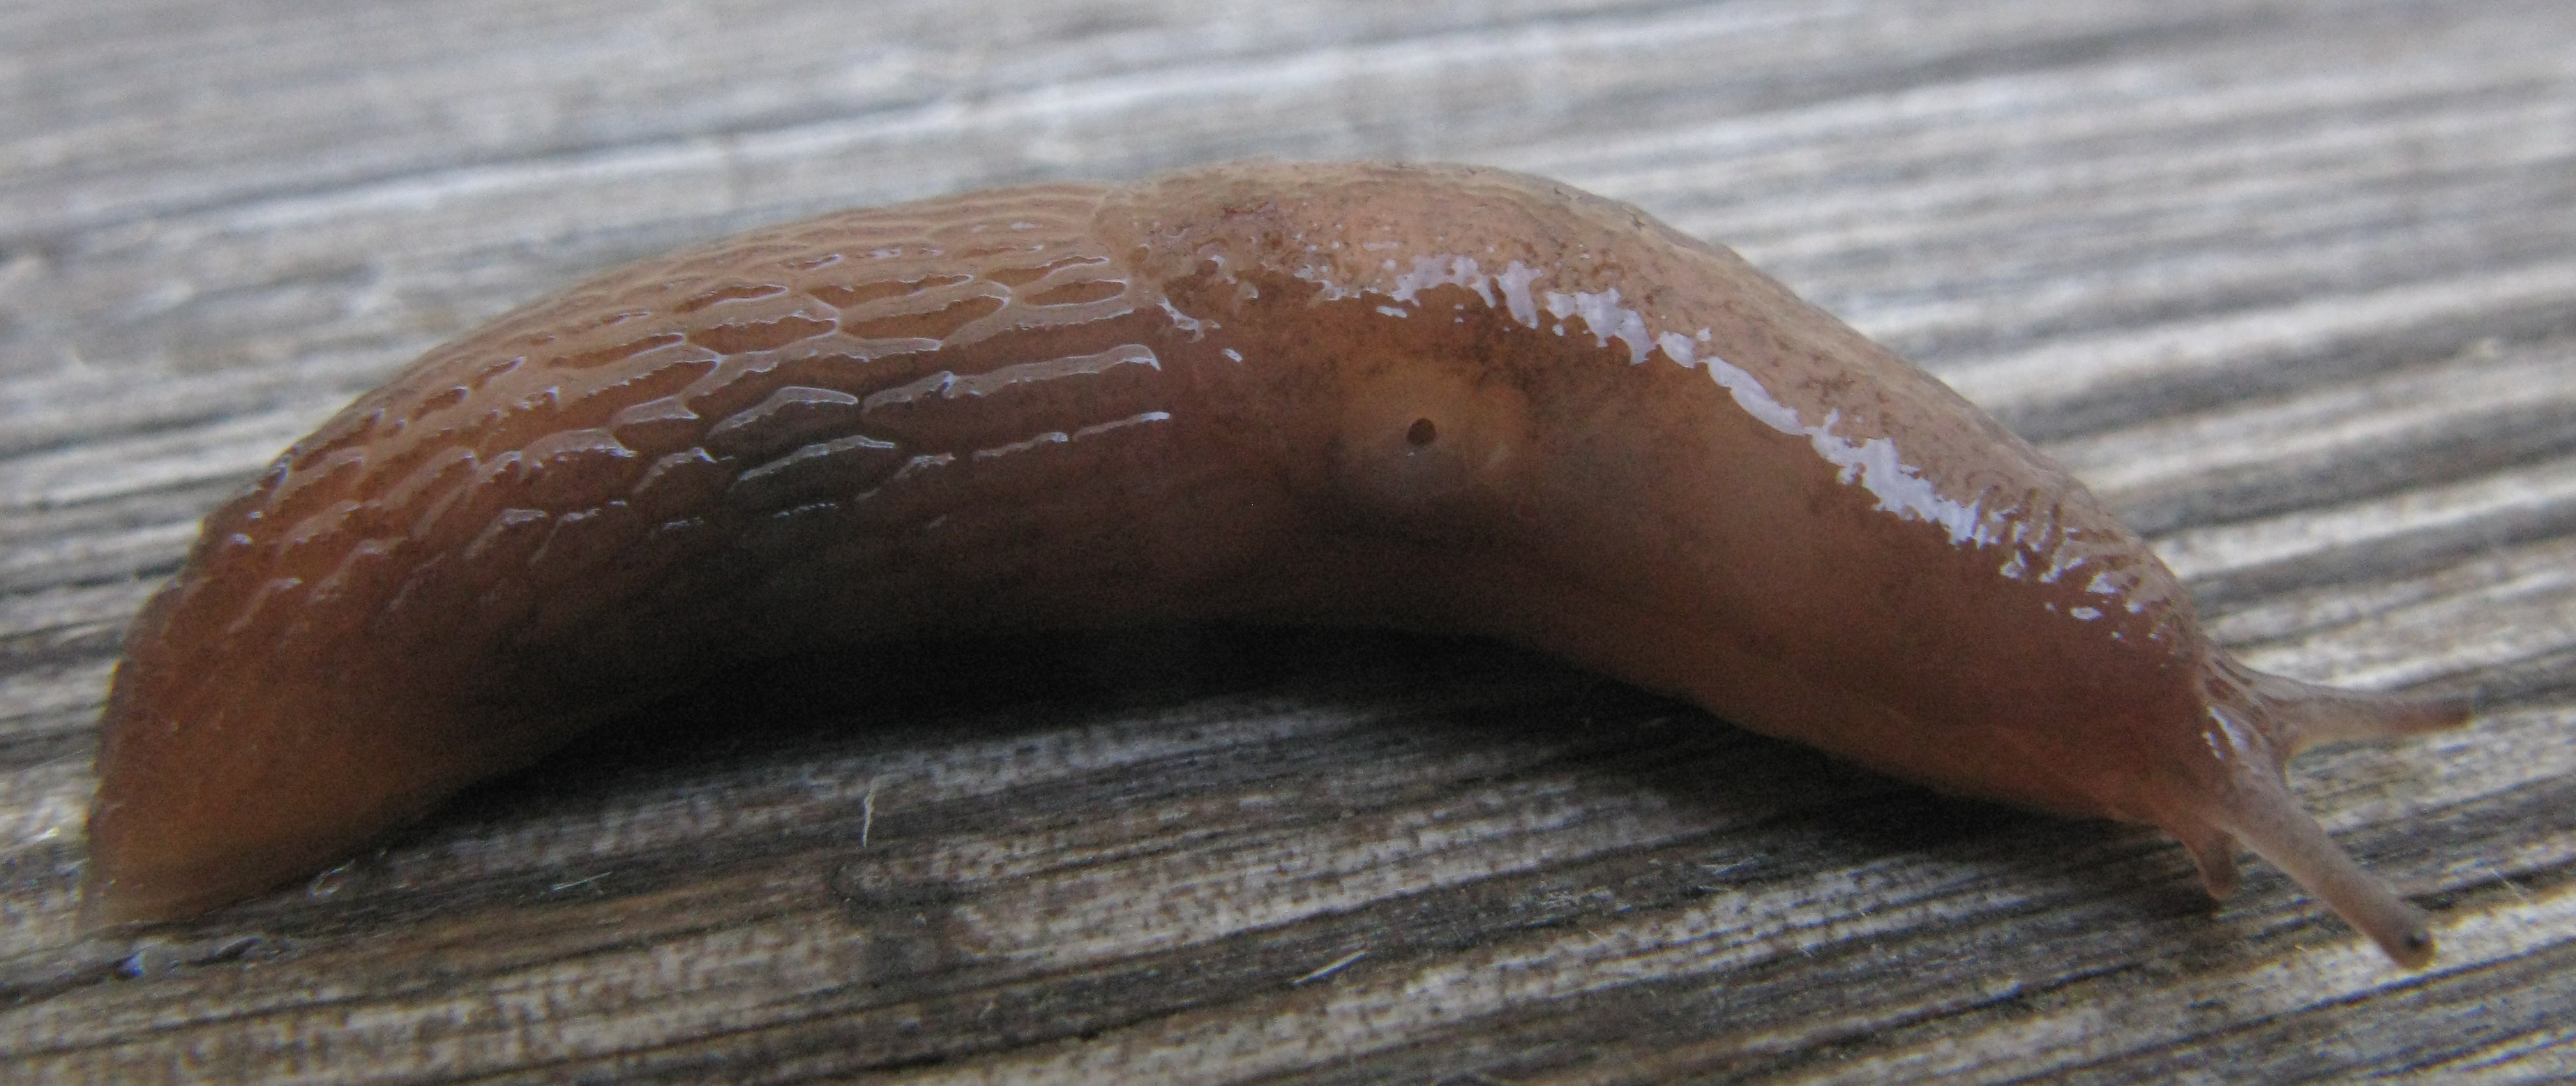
(1426, 397)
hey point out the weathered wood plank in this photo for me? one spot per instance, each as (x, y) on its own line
(2289, 282)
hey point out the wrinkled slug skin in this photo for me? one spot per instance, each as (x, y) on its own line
(1427, 397)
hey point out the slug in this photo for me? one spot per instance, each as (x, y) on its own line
(1426, 397)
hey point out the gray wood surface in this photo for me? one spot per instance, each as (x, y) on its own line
(2292, 284)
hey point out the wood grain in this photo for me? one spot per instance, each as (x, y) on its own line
(2292, 284)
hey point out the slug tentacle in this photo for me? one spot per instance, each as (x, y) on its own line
(2269, 821)
(2213, 852)
(2307, 714)
(1429, 397)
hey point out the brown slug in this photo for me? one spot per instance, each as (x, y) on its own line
(1427, 397)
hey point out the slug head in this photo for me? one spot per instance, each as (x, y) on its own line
(2253, 723)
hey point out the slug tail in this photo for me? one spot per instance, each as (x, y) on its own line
(2263, 815)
